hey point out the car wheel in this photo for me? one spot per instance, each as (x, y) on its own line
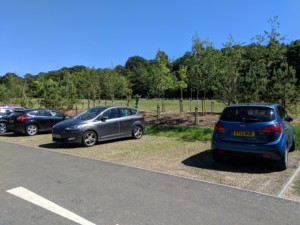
(2, 127)
(31, 130)
(217, 157)
(283, 162)
(89, 139)
(137, 132)
(293, 147)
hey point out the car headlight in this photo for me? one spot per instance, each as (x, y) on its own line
(74, 127)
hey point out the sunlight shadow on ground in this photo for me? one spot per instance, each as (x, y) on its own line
(236, 165)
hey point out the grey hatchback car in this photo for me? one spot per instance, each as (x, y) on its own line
(100, 124)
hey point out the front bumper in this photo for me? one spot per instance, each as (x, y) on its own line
(70, 137)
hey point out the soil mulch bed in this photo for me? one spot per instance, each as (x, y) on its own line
(181, 119)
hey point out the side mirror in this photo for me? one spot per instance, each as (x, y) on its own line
(289, 119)
(104, 118)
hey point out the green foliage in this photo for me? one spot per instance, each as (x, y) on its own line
(26, 102)
(186, 133)
(284, 87)
(5, 97)
(52, 95)
(297, 133)
(161, 79)
(226, 83)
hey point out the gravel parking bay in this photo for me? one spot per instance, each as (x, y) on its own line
(191, 159)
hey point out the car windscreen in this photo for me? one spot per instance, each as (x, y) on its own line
(89, 114)
(248, 114)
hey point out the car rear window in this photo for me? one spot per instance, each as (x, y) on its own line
(248, 114)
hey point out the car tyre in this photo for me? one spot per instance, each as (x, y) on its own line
(137, 132)
(293, 147)
(217, 157)
(31, 130)
(3, 127)
(89, 139)
(283, 162)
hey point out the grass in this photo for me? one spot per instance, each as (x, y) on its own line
(185, 133)
(297, 186)
(171, 105)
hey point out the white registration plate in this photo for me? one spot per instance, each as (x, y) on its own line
(56, 135)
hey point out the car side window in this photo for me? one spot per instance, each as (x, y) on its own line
(133, 111)
(111, 114)
(34, 113)
(47, 113)
(125, 112)
(281, 113)
(56, 114)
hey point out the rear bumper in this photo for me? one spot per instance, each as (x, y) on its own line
(274, 150)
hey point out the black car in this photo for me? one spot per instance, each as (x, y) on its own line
(100, 124)
(5, 111)
(33, 121)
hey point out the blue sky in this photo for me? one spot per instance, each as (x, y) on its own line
(44, 35)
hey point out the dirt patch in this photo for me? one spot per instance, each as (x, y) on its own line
(181, 119)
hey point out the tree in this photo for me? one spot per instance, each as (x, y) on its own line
(161, 78)
(92, 85)
(69, 91)
(52, 95)
(138, 74)
(14, 85)
(4, 94)
(284, 89)
(293, 57)
(182, 83)
(203, 68)
(227, 80)
(115, 85)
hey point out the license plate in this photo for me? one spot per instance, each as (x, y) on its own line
(243, 133)
(56, 135)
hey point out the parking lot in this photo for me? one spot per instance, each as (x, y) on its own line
(191, 159)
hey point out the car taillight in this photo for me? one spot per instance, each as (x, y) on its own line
(273, 128)
(219, 126)
(22, 118)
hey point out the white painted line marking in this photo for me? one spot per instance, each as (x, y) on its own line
(29, 196)
(289, 182)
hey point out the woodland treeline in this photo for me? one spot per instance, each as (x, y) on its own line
(266, 70)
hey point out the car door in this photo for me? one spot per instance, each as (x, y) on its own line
(109, 128)
(288, 128)
(42, 118)
(126, 121)
(55, 117)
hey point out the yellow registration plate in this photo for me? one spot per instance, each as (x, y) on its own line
(243, 133)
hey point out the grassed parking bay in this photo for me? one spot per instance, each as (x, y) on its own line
(191, 159)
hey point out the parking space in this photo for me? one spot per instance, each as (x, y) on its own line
(181, 158)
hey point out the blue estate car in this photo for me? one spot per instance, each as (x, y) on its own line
(254, 130)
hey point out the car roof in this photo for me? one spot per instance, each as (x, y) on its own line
(11, 107)
(269, 105)
(112, 106)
